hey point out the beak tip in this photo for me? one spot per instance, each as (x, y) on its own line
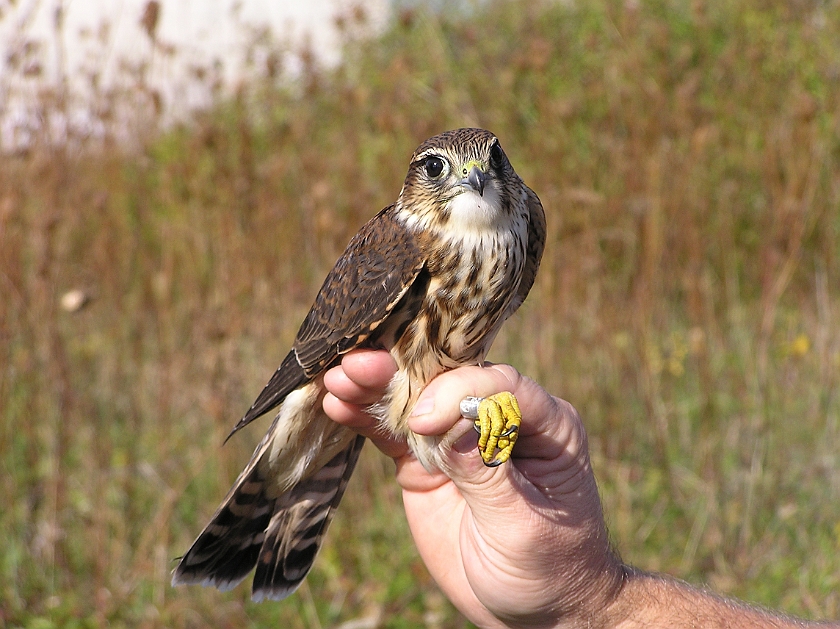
(476, 179)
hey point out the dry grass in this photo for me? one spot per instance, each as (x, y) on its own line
(688, 156)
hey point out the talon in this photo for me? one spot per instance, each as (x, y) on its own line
(497, 423)
(509, 431)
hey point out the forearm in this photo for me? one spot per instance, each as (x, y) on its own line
(660, 601)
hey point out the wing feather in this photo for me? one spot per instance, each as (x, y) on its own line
(536, 245)
(369, 279)
(376, 269)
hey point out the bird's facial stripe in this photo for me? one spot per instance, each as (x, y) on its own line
(422, 157)
(497, 156)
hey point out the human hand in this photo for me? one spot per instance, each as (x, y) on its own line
(523, 544)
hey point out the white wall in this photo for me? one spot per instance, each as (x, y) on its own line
(105, 38)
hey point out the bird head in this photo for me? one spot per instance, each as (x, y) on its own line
(461, 175)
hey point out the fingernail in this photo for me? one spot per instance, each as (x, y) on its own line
(424, 406)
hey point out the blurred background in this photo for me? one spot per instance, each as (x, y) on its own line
(173, 191)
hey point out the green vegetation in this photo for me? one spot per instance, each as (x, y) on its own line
(688, 157)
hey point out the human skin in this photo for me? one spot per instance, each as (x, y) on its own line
(523, 544)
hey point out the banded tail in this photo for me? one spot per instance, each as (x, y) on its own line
(280, 536)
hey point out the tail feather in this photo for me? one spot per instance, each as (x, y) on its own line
(228, 548)
(280, 535)
(303, 515)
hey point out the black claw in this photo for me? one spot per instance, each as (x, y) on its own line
(477, 427)
(493, 463)
(509, 431)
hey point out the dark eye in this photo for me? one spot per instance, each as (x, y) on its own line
(496, 156)
(434, 167)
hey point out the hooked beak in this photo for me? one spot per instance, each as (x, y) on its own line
(476, 180)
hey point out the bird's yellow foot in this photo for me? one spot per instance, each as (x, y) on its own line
(497, 421)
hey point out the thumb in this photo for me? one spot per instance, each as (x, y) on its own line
(490, 492)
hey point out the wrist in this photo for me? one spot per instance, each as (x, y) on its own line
(649, 600)
(593, 598)
(595, 586)
(597, 608)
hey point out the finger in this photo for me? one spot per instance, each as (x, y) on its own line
(389, 445)
(353, 387)
(369, 369)
(438, 408)
(413, 478)
(359, 419)
(340, 385)
(355, 416)
(551, 449)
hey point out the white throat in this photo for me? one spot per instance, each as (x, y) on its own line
(469, 212)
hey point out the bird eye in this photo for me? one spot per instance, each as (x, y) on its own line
(434, 167)
(496, 156)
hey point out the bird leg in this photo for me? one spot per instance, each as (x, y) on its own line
(497, 420)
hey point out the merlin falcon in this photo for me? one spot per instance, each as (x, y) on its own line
(431, 278)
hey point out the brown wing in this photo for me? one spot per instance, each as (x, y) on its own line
(372, 275)
(368, 280)
(536, 244)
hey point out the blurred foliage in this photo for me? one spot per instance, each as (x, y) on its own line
(688, 157)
